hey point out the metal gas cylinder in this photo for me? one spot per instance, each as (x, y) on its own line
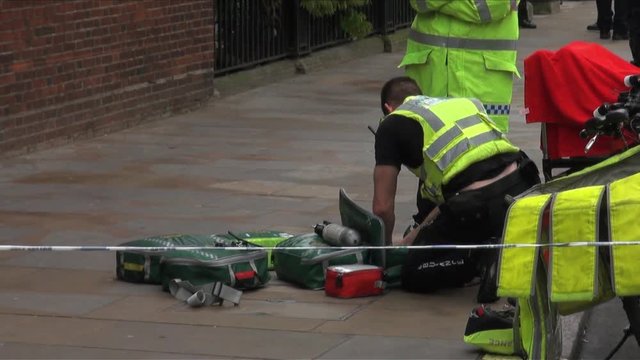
(337, 235)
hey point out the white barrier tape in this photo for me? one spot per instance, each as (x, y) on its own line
(242, 248)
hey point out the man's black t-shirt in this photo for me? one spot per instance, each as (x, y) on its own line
(399, 141)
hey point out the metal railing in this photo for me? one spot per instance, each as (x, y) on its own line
(253, 32)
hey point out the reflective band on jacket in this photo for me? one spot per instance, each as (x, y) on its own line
(479, 105)
(516, 275)
(443, 140)
(574, 215)
(432, 119)
(462, 146)
(623, 226)
(483, 11)
(514, 5)
(462, 43)
(497, 109)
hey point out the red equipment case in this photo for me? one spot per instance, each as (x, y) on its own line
(349, 281)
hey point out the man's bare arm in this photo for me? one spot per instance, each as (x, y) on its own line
(385, 182)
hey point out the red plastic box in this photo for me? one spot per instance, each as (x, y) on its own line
(350, 281)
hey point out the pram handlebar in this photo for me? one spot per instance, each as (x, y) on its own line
(611, 119)
(632, 81)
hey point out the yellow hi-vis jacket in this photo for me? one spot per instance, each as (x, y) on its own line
(457, 133)
(465, 48)
(566, 279)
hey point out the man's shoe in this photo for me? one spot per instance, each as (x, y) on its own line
(526, 24)
(593, 27)
(491, 330)
(617, 36)
(604, 35)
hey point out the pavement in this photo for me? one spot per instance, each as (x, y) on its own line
(271, 158)
(603, 330)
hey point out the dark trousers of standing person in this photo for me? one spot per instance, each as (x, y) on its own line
(523, 16)
(615, 19)
(634, 31)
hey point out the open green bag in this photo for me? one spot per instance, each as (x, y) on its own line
(242, 269)
(306, 267)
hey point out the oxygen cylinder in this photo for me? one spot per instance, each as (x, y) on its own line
(337, 235)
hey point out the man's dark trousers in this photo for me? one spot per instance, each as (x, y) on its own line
(634, 30)
(615, 19)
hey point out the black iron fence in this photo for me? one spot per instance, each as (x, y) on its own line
(252, 32)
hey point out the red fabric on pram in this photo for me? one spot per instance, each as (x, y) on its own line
(563, 87)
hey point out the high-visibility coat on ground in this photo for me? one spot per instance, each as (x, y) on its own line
(465, 48)
(457, 133)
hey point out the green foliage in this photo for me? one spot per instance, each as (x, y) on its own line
(353, 22)
(330, 7)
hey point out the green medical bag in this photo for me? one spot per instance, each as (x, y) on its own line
(306, 267)
(241, 269)
(198, 266)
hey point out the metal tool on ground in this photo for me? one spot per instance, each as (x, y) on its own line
(204, 295)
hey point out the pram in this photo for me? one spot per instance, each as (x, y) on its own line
(562, 89)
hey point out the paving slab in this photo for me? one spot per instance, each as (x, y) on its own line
(68, 304)
(386, 347)
(604, 330)
(401, 314)
(11, 350)
(167, 338)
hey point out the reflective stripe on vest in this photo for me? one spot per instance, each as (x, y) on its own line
(479, 105)
(483, 11)
(434, 151)
(462, 43)
(451, 155)
(575, 217)
(516, 274)
(443, 140)
(419, 108)
(624, 207)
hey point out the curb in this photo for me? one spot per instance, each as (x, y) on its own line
(260, 75)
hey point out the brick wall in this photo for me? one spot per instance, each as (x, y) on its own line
(78, 68)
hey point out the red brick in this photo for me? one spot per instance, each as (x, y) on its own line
(62, 52)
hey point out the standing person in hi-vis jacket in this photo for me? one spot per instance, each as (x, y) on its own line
(465, 48)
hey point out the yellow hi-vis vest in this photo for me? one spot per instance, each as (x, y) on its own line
(457, 133)
(573, 277)
(574, 216)
(624, 207)
(465, 48)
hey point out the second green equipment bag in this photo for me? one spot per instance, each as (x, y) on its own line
(240, 269)
(306, 267)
